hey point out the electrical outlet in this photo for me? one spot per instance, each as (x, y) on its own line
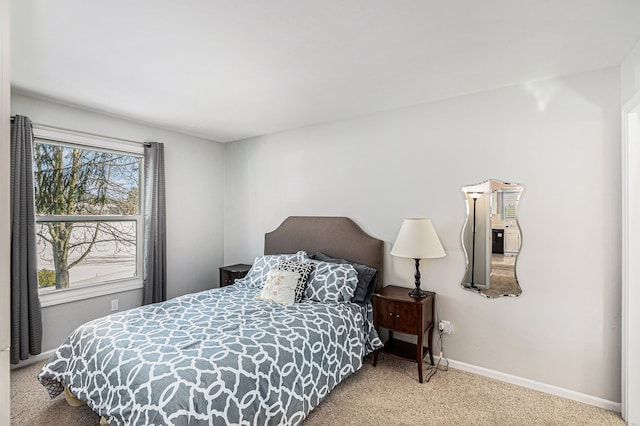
(445, 327)
(114, 305)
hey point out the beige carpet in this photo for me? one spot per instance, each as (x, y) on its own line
(388, 394)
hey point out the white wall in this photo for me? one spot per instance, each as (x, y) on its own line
(559, 138)
(630, 74)
(195, 214)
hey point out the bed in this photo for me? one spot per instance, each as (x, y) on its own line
(222, 356)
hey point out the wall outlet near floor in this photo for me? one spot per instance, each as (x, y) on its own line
(114, 305)
(445, 327)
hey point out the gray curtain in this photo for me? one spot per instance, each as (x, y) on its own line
(155, 264)
(26, 315)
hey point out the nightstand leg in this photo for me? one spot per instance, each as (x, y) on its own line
(430, 343)
(419, 355)
(375, 357)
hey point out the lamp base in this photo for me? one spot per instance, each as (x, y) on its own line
(418, 293)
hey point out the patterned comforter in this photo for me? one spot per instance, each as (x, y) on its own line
(215, 357)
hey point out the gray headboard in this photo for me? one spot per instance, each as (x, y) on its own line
(336, 236)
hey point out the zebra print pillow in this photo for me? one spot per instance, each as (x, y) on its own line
(332, 282)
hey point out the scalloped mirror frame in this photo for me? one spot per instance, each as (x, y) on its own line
(491, 238)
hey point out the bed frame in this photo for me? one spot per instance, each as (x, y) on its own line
(338, 237)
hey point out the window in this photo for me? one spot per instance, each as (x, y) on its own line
(88, 216)
(509, 204)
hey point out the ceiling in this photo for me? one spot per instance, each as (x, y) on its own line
(228, 70)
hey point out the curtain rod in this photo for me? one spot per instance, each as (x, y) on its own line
(46, 126)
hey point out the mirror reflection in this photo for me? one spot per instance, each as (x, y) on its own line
(491, 238)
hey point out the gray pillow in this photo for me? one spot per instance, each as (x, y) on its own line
(332, 282)
(367, 277)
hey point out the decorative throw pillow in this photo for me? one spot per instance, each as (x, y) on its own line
(332, 282)
(280, 287)
(304, 269)
(263, 264)
(366, 277)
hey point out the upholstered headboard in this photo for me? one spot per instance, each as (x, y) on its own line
(336, 236)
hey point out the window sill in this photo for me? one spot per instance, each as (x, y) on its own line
(88, 292)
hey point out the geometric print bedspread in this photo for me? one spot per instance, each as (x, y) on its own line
(211, 358)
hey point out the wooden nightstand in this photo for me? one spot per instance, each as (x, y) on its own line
(228, 274)
(395, 310)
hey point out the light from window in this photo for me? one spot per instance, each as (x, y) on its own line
(87, 215)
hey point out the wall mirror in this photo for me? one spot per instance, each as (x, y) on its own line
(491, 238)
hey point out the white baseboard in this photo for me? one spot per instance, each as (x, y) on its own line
(538, 386)
(33, 359)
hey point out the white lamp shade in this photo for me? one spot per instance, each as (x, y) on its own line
(417, 240)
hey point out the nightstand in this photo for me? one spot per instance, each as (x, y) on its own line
(395, 310)
(229, 274)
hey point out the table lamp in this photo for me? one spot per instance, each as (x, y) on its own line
(417, 240)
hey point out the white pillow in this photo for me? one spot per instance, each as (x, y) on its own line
(280, 287)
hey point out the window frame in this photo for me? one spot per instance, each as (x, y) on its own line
(88, 141)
